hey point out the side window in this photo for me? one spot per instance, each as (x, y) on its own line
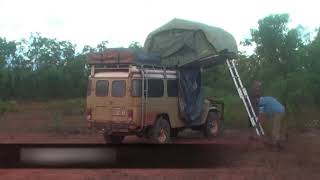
(102, 88)
(172, 88)
(136, 89)
(89, 87)
(118, 88)
(155, 88)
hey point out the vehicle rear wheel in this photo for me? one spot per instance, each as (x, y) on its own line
(161, 131)
(113, 139)
(213, 126)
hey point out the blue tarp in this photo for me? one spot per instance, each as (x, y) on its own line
(190, 95)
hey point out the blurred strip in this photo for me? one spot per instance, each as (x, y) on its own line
(119, 156)
(31, 156)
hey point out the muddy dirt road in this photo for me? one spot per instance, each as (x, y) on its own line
(242, 159)
(238, 157)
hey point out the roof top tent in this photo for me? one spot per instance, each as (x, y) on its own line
(183, 43)
(189, 47)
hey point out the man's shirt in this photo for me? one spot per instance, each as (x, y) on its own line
(270, 105)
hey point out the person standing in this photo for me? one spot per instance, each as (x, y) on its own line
(271, 114)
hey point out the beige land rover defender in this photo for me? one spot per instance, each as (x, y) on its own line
(125, 98)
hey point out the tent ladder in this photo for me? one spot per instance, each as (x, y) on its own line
(244, 97)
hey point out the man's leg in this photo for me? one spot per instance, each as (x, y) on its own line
(284, 128)
(267, 127)
(276, 129)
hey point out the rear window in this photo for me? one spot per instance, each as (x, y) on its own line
(172, 86)
(89, 87)
(118, 88)
(102, 87)
(155, 87)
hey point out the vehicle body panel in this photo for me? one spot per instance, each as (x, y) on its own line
(123, 114)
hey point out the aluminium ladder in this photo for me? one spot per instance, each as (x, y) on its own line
(244, 97)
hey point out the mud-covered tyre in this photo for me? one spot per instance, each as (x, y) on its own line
(161, 132)
(113, 139)
(213, 125)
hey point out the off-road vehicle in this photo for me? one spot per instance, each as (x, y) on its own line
(128, 98)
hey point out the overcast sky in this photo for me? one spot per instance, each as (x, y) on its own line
(121, 22)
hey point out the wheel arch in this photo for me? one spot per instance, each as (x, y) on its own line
(213, 109)
(219, 119)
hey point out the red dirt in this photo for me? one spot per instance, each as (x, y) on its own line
(247, 159)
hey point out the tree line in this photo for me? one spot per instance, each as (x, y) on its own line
(42, 68)
(284, 59)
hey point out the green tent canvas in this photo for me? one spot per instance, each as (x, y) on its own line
(181, 42)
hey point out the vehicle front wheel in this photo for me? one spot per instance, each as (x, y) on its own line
(113, 139)
(161, 131)
(213, 126)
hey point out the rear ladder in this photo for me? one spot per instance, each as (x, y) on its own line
(144, 95)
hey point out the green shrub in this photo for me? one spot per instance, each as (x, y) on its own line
(8, 106)
(235, 115)
(57, 122)
(69, 106)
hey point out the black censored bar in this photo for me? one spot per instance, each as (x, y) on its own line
(115, 156)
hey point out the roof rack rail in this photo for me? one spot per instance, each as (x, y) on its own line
(153, 69)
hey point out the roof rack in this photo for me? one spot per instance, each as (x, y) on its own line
(136, 68)
(111, 66)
